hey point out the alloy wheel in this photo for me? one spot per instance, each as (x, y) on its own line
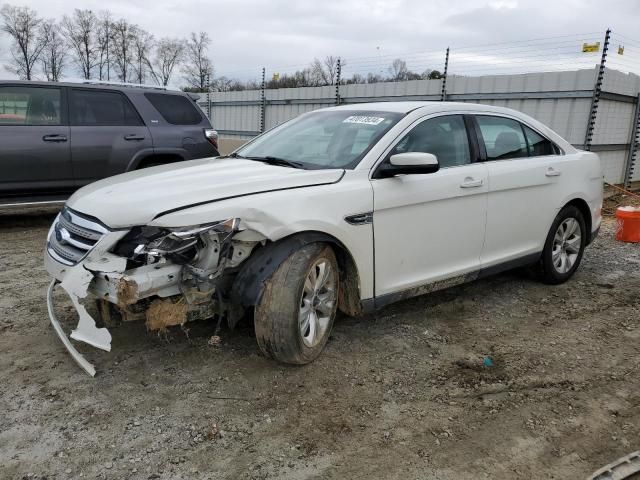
(317, 302)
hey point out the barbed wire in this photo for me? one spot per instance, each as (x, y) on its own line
(521, 56)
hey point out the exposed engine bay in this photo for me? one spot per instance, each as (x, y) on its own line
(165, 277)
(174, 276)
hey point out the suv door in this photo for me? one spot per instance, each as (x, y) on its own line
(523, 189)
(106, 133)
(430, 227)
(34, 151)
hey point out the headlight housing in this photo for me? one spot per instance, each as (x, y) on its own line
(178, 244)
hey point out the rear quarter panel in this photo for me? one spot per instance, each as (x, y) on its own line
(582, 179)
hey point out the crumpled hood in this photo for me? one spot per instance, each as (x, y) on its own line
(135, 198)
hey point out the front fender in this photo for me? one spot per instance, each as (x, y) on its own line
(248, 286)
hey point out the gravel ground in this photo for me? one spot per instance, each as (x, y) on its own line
(397, 395)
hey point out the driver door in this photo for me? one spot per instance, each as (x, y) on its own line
(430, 227)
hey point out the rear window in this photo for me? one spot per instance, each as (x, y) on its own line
(538, 145)
(102, 108)
(175, 109)
(503, 138)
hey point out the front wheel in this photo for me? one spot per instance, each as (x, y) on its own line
(564, 246)
(296, 312)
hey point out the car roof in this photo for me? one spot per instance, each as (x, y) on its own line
(426, 107)
(94, 84)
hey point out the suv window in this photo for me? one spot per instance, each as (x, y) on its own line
(538, 145)
(175, 109)
(445, 137)
(503, 137)
(29, 106)
(102, 108)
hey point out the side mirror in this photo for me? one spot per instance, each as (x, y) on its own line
(407, 164)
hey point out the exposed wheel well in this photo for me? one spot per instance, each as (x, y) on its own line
(158, 159)
(581, 205)
(249, 283)
(349, 292)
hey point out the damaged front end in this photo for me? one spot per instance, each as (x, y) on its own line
(163, 276)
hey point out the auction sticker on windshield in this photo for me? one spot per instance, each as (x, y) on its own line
(364, 120)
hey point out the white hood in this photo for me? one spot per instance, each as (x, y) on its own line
(135, 198)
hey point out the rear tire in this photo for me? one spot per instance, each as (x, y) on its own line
(564, 246)
(298, 306)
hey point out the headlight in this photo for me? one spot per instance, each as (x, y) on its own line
(174, 242)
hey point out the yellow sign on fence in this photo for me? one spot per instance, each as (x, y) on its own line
(590, 47)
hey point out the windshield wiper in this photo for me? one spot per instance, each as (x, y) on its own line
(276, 161)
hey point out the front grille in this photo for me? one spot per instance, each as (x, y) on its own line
(72, 236)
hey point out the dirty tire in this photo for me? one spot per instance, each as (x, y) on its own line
(277, 324)
(547, 271)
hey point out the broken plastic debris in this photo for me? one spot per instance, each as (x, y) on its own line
(75, 283)
(487, 362)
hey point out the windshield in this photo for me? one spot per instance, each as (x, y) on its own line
(329, 139)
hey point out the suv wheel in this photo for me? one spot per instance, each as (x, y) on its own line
(295, 315)
(564, 246)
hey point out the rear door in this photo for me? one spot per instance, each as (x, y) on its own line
(524, 188)
(106, 133)
(34, 145)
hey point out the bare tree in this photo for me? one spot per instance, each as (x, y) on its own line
(398, 70)
(142, 44)
(123, 48)
(104, 41)
(374, 78)
(22, 24)
(168, 54)
(324, 72)
(80, 30)
(197, 68)
(54, 52)
(222, 84)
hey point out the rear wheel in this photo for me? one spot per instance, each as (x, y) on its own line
(564, 246)
(295, 315)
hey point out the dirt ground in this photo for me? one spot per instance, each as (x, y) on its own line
(403, 394)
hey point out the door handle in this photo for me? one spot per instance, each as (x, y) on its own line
(552, 172)
(133, 137)
(470, 182)
(54, 138)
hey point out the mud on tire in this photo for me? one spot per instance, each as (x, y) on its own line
(279, 317)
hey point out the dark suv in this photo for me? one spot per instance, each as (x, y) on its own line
(57, 137)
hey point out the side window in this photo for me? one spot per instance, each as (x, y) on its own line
(102, 108)
(538, 145)
(29, 106)
(503, 137)
(445, 137)
(175, 109)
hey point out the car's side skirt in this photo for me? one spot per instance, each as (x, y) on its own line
(370, 305)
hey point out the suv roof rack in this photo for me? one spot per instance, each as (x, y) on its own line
(123, 84)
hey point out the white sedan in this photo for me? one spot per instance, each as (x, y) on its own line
(348, 208)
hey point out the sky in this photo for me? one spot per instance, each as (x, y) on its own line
(284, 35)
